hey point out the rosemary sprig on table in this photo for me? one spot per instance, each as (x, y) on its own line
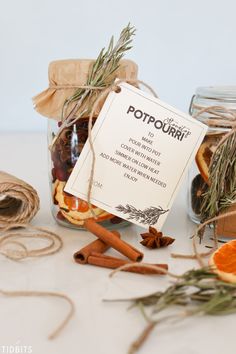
(199, 292)
(102, 74)
(222, 190)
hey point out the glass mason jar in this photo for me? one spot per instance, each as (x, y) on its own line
(66, 77)
(224, 96)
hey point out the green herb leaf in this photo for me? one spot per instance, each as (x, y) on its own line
(102, 74)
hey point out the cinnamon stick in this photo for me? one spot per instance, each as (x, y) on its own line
(102, 260)
(107, 236)
(96, 246)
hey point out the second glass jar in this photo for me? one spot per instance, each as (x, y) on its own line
(215, 96)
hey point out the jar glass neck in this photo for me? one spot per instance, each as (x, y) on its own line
(215, 106)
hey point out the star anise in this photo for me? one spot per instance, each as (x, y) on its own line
(155, 239)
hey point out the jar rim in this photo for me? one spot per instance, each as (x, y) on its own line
(220, 93)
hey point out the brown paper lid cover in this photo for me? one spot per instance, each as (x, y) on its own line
(63, 74)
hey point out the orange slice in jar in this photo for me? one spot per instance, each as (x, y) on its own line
(203, 159)
(205, 153)
(74, 209)
(223, 261)
(75, 203)
(82, 206)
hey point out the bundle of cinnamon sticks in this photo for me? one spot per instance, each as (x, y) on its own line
(93, 253)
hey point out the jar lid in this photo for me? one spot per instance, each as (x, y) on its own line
(65, 75)
(219, 93)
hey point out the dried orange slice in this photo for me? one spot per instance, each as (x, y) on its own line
(204, 154)
(74, 203)
(223, 261)
(74, 209)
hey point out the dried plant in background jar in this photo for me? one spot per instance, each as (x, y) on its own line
(212, 179)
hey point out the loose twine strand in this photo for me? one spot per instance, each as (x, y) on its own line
(13, 235)
(65, 321)
(19, 203)
(66, 87)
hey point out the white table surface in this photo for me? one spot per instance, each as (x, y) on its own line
(97, 327)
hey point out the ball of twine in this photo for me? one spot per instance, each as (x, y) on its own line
(19, 202)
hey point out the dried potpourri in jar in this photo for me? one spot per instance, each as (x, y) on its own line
(69, 82)
(220, 105)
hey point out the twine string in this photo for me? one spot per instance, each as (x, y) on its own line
(67, 87)
(219, 112)
(198, 255)
(69, 120)
(16, 233)
(19, 203)
(67, 318)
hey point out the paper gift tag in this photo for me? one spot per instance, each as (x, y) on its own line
(143, 149)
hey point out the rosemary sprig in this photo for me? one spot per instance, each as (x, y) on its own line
(199, 291)
(222, 190)
(102, 74)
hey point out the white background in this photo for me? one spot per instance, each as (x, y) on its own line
(179, 45)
